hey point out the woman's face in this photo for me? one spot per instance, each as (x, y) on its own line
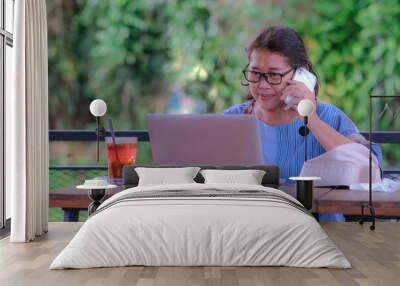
(268, 95)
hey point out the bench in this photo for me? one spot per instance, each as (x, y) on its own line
(326, 200)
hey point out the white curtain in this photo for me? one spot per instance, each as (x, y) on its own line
(27, 142)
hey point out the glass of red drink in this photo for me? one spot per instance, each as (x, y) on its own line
(122, 153)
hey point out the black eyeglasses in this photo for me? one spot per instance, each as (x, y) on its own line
(273, 78)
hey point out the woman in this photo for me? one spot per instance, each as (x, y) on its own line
(274, 55)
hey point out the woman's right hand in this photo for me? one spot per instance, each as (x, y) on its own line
(294, 92)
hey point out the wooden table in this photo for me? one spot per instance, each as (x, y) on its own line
(72, 200)
(318, 193)
(325, 200)
(349, 202)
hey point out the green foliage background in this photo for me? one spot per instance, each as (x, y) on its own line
(131, 53)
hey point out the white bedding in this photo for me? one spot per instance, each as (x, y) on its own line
(182, 231)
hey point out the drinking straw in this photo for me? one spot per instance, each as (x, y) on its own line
(110, 125)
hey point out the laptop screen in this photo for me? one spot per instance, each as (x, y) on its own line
(206, 139)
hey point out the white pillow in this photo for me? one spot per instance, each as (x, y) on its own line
(248, 177)
(162, 176)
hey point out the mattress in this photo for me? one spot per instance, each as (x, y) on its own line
(201, 225)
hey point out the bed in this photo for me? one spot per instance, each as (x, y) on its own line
(201, 224)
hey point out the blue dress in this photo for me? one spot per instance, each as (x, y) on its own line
(282, 145)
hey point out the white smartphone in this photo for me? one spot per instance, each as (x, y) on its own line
(304, 76)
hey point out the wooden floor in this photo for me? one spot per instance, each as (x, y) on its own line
(375, 257)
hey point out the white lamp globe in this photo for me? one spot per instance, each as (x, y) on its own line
(305, 107)
(98, 107)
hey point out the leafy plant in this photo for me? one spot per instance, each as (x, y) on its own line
(130, 53)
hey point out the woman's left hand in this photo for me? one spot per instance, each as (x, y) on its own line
(298, 91)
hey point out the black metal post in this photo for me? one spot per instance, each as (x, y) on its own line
(303, 131)
(96, 195)
(369, 205)
(304, 193)
(98, 136)
(305, 137)
(100, 133)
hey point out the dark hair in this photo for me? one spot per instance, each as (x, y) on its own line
(287, 42)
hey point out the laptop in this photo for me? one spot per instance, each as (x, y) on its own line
(206, 139)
